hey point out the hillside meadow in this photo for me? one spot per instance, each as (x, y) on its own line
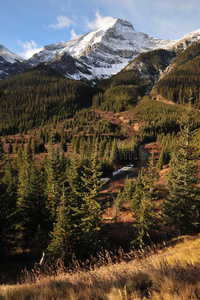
(170, 273)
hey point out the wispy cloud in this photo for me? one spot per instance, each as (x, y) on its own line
(30, 48)
(98, 22)
(73, 34)
(62, 22)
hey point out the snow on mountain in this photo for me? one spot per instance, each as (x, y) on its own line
(10, 63)
(8, 55)
(188, 39)
(101, 53)
(95, 55)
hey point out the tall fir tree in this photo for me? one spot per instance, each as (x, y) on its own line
(74, 192)
(143, 203)
(8, 198)
(60, 245)
(181, 209)
(91, 208)
(114, 156)
(53, 188)
(31, 205)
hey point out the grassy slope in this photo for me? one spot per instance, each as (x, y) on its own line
(172, 273)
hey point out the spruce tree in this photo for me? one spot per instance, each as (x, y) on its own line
(74, 194)
(31, 206)
(114, 156)
(91, 207)
(60, 245)
(181, 209)
(53, 188)
(143, 203)
(8, 197)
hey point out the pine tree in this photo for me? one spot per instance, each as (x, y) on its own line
(74, 194)
(181, 209)
(8, 198)
(114, 156)
(127, 191)
(60, 244)
(53, 189)
(138, 188)
(143, 203)
(91, 208)
(31, 206)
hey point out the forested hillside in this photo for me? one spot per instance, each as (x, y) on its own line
(152, 64)
(87, 170)
(39, 96)
(183, 77)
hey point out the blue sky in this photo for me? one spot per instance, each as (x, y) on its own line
(28, 25)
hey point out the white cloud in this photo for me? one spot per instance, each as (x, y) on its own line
(98, 22)
(73, 34)
(62, 22)
(30, 48)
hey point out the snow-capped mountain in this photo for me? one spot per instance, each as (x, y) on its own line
(98, 54)
(9, 56)
(10, 63)
(95, 55)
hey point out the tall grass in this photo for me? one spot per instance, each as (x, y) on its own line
(173, 273)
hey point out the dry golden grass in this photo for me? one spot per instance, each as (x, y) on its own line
(172, 273)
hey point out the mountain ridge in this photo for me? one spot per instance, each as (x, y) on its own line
(95, 55)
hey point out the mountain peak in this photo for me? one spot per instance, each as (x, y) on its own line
(120, 22)
(9, 56)
(95, 55)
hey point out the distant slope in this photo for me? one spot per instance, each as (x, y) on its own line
(183, 76)
(121, 91)
(135, 80)
(152, 64)
(39, 96)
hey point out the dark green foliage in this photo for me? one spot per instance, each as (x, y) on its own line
(78, 226)
(131, 77)
(31, 201)
(38, 97)
(160, 118)
(184, 76)
(181, 209)
(120, 91)
(168, 143)
(117, 98)
(125, 195)
(143, 204)
(92, 210)
(8, 196)
(59, 247)
(53, 175)
(114, 157)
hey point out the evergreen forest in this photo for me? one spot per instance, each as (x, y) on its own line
(88, 169)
